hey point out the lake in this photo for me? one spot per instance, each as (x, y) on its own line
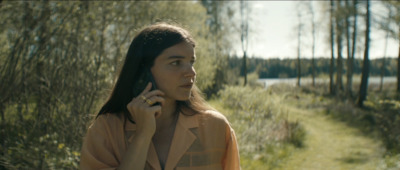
(293, 81)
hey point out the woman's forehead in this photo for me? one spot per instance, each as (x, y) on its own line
(181, 50)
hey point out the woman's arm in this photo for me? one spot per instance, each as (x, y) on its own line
(99, 147)
(231, 160)
(145, 117)
(136, 154)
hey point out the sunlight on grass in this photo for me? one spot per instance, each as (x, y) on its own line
(327, 143)
(330, 144)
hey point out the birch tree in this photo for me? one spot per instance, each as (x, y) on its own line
(332, 39)
(365, 68)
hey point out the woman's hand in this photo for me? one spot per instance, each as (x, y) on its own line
(144, 113)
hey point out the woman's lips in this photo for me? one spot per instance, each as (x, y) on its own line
(187, 86)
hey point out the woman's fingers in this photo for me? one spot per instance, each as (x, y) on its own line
(154, 93)
(156, 110)
(146, 89)
(146, 93)
(155, 99)
(144, 103)
(142, 107)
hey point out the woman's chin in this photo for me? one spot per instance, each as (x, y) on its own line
(183, 97)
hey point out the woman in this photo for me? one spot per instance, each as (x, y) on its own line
(167, 125)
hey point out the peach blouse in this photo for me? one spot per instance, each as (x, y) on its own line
(202, 141)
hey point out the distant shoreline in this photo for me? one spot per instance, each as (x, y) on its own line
(307, 80)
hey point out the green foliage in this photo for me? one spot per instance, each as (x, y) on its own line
(390, 20)
(386, 118)
(26, 150)
(252, 80)
(259, 117)
(60, 59)
(391, 162)
(217, 47)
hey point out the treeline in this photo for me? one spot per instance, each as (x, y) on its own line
(287, 68)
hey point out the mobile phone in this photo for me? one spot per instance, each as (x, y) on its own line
(144, 78)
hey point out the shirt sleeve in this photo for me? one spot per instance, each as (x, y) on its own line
(97, 151)
(232, 158)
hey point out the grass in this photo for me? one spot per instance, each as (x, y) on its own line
(330, 144)
(371, 130)
(334, 134)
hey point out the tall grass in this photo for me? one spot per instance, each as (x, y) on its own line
(379, 119)
(259, 117)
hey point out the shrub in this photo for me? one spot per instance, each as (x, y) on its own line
(260, 119)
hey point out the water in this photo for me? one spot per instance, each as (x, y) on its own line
(303, 81)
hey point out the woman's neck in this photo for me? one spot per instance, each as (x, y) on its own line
(168, 114)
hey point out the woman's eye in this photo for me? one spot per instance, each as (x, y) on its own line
(175, 63)
(192, 62)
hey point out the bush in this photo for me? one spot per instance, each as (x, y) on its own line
(260, 120)
(27, 145)
(386, 118)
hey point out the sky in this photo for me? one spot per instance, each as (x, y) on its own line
(273, 33)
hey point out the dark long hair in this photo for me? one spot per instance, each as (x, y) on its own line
(144, 49)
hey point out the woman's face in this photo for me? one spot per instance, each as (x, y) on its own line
(173, 71)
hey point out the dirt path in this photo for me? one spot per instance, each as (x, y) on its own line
(332, 145)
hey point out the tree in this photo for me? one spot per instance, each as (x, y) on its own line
(395, 32)
(332, 62)
(311, 10)
(339, 35)
(350, 55)
(299, 30)
(365, 69)
(244, 34)
(398, 68)
(220, 27)
(386, 25)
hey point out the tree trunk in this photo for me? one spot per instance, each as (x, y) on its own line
(3, 118)
(298, 52)
(398, 67)
(365, 69)
(244, 68)
(332, 64)
(244, 35)
(353, 51)
(313, 48)
(339, 33)
(349, 74)
(383, 61)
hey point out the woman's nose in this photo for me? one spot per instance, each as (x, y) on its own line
(190, 71)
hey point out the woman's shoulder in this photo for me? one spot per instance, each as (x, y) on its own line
(107, 120)
(110, 117)
(213, 116)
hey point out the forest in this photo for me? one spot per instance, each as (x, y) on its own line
(59, 61)
(286, 68)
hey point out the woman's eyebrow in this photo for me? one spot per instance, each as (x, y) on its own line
(175, 57)
(179, 57)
